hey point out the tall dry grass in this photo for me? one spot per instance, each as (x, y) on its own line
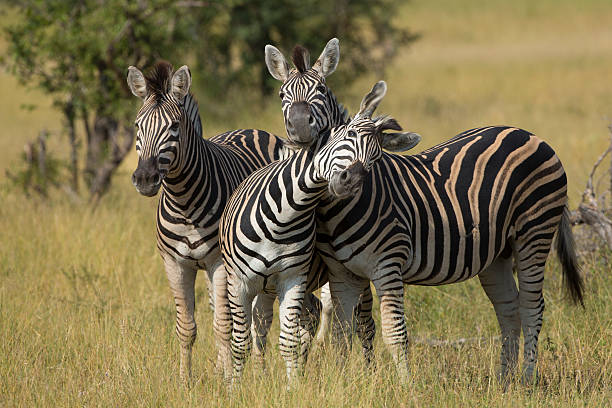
(86, 317)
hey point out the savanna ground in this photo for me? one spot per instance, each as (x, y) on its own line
(86, 316)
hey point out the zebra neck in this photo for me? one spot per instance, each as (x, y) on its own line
(311, 184)
(192, 176)
(338, 113)
(300, 186)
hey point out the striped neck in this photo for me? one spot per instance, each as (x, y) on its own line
(338, 113)
(192, 170)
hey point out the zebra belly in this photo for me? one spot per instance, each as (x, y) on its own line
(365, 262)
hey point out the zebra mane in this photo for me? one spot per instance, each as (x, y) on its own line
(158, 78)
(343, 113)
(299, 57)
(192, 112)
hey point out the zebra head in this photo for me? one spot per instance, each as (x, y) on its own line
(158, 122)
(309, 107)
(353, 149)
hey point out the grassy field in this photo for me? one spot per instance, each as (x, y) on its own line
(86, 315)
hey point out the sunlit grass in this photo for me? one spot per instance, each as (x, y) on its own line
(86, 315)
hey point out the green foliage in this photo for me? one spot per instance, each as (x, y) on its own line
(78, 51)
(234, 34)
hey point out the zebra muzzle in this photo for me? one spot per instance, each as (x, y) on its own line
(348, 182)
(147, 177)
(301, 125)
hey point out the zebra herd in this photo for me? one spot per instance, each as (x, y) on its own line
(267, 217)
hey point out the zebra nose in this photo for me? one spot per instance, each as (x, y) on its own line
(344, 175)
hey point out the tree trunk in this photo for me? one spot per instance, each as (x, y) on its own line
(109, 143)
(69, 114)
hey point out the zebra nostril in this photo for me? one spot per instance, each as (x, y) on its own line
(134, 181)
(311, 120)
(155, 178)
(344, 176)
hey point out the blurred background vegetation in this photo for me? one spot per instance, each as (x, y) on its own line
(86, 315)
(77, 52)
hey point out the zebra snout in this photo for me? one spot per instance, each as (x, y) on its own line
(301, 124)
(147, 177)
(348, 182)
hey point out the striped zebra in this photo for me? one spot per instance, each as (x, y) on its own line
(267, 230)
(485, 200)
(309, 108)
(197, 177)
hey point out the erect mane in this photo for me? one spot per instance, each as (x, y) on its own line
(158, 78)
(299, 56)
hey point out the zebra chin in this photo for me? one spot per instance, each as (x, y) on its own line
(149, 190)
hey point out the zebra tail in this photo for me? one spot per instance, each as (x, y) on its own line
(566, 251)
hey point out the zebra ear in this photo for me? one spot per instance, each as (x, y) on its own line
(372, 99)
(328, 60)
(181, 82)
(399, 142)
(276, 63)
(136, 82)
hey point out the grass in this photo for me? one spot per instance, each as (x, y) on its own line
(86, 314)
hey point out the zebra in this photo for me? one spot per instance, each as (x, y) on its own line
(467, 207)
(309, 108)
(196, 177)
(267, 230)
(307, 100)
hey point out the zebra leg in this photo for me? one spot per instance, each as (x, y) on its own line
(498, 283)
(366, 328)
(309, 322)
(222, 321)
(240, 297)
(209, 274)
(263, 313)
(531, 261)
(182, 283)
(291, 301)
(346, 290)
(326, 313)
(390, 290)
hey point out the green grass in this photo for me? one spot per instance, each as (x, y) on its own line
(86, 314)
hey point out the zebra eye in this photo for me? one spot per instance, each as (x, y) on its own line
(352, 133)
(136, 126)
(174, 126)
(281, 95)
(322, 89)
